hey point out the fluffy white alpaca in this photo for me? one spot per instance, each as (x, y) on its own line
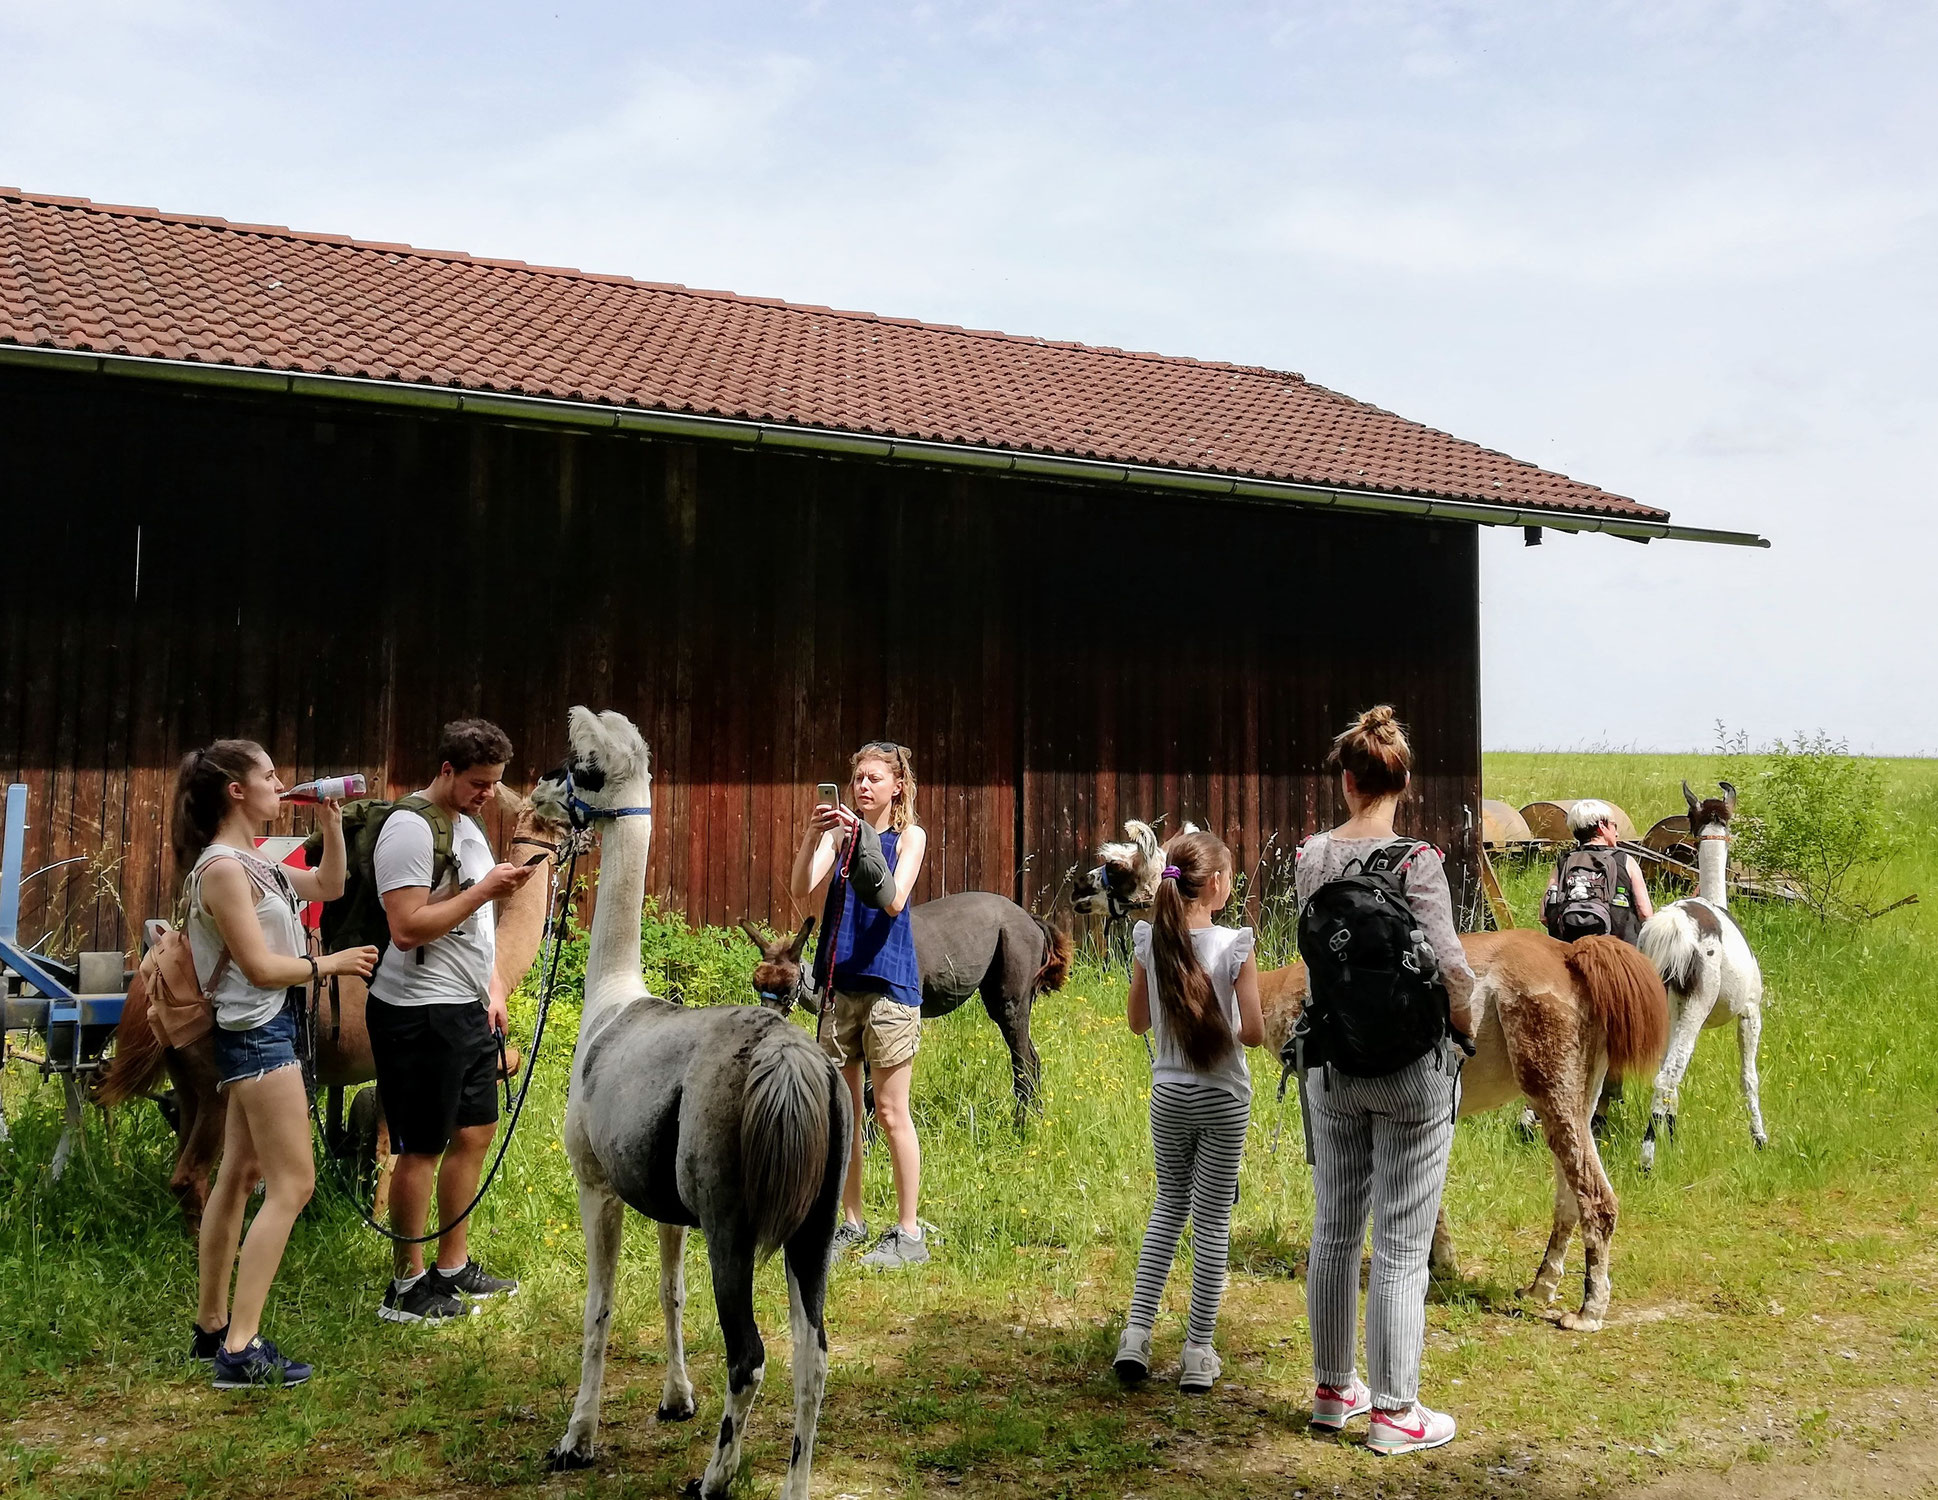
(1707, 968)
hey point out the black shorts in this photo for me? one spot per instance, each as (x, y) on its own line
(437, 1071)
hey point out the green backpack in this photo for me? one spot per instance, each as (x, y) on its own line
(357, 916)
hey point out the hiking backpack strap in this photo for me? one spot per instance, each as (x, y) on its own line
(1389, 858)
(444, 863)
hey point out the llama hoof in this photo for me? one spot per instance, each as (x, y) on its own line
(678, 1411)
(1576, 1322)
(1761, 1141)
(562, 1459)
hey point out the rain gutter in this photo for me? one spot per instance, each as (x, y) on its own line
(534, 411)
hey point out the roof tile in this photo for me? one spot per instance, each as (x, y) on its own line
(79, 275)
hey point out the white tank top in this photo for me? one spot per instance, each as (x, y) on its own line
(240, 1005)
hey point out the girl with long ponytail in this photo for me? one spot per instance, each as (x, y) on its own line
(1194, 988)
(250, 953)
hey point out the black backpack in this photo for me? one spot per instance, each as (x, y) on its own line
(357, 916)
(1375, 1000)
(1583, 902)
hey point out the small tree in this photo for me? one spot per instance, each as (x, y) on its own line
(1815, 815)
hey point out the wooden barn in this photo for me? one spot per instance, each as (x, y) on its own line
(329, 494)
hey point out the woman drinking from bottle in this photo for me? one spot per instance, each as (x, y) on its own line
(250, 953)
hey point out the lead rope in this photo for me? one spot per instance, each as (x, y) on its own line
(556, 926)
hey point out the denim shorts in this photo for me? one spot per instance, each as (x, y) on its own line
(242, 1055)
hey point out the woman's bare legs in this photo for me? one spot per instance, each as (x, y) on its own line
(904, 1151)
(851, 1189)
(221, 1231)
(279, 1125)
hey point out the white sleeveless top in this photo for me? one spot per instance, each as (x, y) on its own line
(240, 1005)
(1222, 951)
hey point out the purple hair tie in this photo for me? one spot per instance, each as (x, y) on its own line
(1171, 872)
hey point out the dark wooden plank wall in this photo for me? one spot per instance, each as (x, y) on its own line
(338, 582)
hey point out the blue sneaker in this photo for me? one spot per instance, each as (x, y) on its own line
(203, 1345)
(259, 1363)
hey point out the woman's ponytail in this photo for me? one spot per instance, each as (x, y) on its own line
(1191, 862)
(202, 794)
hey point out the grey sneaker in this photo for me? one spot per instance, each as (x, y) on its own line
(1199, 1370)
(474, 1281)
(847, 1234)
(1133, 1362)
(895, 1250)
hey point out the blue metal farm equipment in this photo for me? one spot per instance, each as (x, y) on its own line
(68, 1010)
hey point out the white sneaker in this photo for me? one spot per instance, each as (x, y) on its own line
(1333, 1408)
(1199, 1370)
(1409, 1431)
(1133, 1362)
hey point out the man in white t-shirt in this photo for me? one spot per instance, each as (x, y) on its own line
(435, 1016)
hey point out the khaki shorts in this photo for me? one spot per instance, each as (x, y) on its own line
(883, 1030)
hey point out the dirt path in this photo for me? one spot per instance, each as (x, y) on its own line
(1904, 1469)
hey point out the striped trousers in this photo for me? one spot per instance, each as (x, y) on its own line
(1198, 1133)
(1379, 1144)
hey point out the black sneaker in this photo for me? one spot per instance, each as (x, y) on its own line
(424, 1301)
(205, 1346)
(259, 1363)
(847, 1234)
(474, 1281)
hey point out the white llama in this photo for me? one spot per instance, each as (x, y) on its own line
(1703, 958)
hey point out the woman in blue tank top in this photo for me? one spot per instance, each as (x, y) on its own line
(871, 986)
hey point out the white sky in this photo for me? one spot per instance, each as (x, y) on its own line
(1685, 251)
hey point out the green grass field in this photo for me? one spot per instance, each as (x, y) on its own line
(1770, 1308)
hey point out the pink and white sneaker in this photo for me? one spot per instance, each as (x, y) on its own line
(1409, 1431)
(1333, 1408)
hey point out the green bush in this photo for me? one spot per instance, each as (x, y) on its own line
(1816, 816)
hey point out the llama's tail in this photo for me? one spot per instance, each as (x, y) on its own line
(138, 1052)
(783, 1133)
(1056, 958)
(1669, 941)
(1625, 995)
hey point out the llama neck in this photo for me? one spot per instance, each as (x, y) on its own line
(1712, 865)
(612, 969)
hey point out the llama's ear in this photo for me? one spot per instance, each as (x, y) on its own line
(799, 945)
(1694, 805)
(1729, 797)
(582, 730)
(753, 932)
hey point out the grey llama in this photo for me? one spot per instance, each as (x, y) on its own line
(727, 1119)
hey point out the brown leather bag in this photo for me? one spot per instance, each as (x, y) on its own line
(178, 1012)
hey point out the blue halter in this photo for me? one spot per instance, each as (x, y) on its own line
(584, 812)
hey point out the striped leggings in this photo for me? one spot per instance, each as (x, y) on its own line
(1199, 1136)
(1380, 1144)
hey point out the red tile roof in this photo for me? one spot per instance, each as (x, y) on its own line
(116, 280)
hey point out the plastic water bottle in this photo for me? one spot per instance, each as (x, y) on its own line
(329, 789)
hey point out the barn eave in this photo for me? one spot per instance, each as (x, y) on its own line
(594, 416)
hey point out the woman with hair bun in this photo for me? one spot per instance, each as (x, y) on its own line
(1194, 988)
(1380, 1144)
(250, 951)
